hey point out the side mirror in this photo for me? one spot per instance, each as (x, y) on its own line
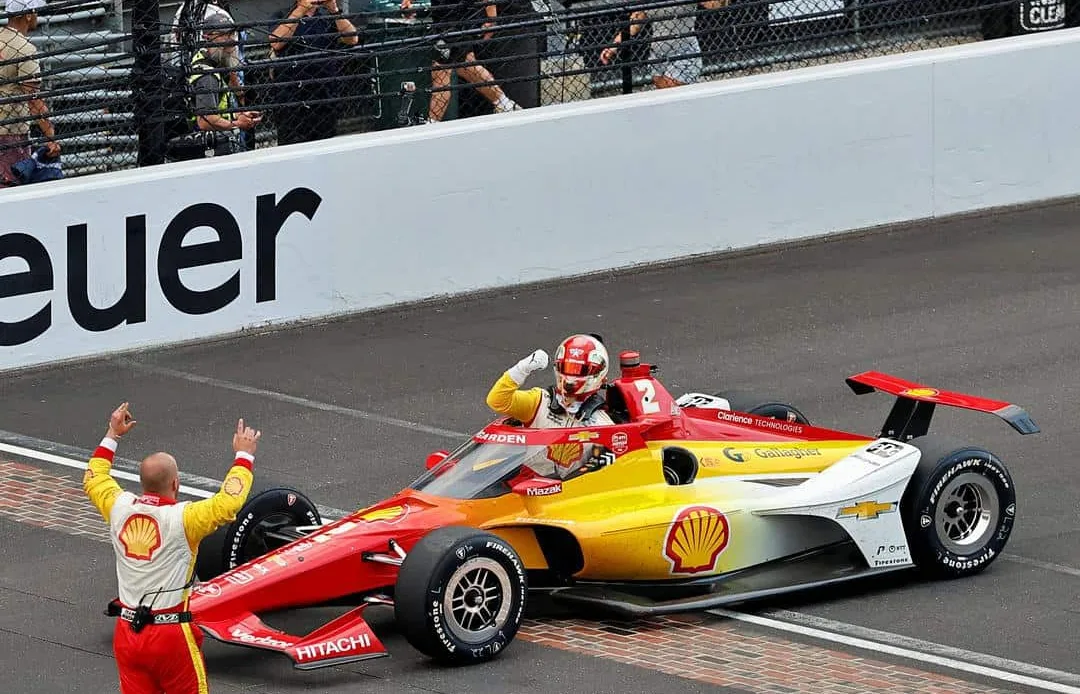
(536, 486)
(436, 458)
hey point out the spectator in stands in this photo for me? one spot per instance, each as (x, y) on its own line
(215, 102)
(309, 28)
(674, 52)
(462, 16)
(515, 52)
(20, 79)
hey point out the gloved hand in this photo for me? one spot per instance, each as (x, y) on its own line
(537, 361)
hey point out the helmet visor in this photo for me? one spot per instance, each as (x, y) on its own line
(569, 368)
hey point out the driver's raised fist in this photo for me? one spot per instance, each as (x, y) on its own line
(537, 361)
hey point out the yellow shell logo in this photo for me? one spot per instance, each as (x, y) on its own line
(565, 454)
(921, 392)
(140, 536)
(234, 486)
(696, 538)
(383, 514)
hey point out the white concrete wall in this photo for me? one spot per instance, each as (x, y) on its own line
(559, 191)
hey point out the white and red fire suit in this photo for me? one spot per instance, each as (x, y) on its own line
(155, 540)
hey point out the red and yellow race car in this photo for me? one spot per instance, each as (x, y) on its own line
(682, 504)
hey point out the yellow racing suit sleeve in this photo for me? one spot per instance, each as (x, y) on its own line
(98, 484)
(506, 399)
(201, 518)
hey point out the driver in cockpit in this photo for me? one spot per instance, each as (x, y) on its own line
(581, 365)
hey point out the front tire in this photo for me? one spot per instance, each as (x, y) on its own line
(959, 508)
(245, 538)
(460, 595)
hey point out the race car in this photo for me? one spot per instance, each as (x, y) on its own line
(682, 504)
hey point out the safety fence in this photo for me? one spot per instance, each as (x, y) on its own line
(140, 82)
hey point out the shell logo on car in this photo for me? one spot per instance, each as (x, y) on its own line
(695, 539)
(384, 514)
(140, 536)
(565, 454)
(921, 392)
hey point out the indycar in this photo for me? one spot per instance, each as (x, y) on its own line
(682, 504)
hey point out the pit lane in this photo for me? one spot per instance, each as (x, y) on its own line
(982, 305)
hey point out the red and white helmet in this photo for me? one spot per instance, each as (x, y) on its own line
(581, 365)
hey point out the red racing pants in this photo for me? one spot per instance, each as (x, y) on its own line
(160, 659)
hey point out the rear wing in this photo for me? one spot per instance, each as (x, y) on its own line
(910, 416)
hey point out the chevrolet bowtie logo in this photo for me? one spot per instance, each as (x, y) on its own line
(866, 510)
(583, 436)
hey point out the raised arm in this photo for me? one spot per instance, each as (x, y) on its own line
(202, 518)
(98, 483)
(505, 397)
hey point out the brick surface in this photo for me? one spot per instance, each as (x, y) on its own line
(33, 496)
(696, 645)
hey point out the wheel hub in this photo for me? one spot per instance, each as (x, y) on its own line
(967, 513)
(258, 541)
(477, 599)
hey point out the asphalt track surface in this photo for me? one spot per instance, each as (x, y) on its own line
(985, 305)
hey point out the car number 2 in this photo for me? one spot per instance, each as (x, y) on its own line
(648, 397)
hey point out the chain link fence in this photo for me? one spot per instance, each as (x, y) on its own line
(139, 82)
(66, 72)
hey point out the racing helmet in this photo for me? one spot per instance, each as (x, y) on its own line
(581, 365)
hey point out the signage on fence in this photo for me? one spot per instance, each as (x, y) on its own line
(1042, 15)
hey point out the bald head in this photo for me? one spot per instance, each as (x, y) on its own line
(158, 474)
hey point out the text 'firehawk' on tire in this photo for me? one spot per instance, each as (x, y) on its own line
(460, 595)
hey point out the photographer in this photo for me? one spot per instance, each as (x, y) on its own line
(215, 101)
(308, 29)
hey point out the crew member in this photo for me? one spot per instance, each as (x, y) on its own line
(156, 539)
(581, 365)
(215, 101)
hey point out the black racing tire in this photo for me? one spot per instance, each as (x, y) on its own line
(958, 509)
(241, 540)
(436, 572)
(755, 403)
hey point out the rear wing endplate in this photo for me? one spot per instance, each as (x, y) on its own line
(910, 416)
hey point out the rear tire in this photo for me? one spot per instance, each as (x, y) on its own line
(754, 403)
(460, 595)
(959, 508)
(243, 540)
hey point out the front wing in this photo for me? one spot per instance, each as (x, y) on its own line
(347, 639)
